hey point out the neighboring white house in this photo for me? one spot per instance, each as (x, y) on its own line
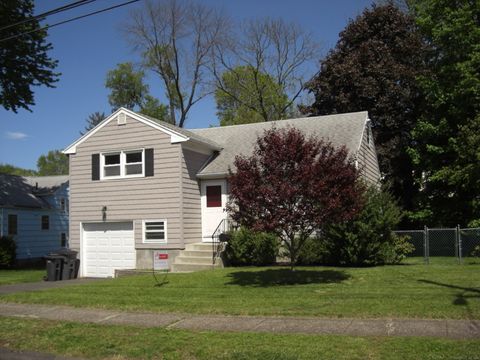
(138, 184)
(34, 210)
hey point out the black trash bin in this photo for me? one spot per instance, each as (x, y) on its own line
(54, 267)
(69, 264)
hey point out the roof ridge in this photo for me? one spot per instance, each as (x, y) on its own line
(179, 129)
(46, 176)
(279, 120)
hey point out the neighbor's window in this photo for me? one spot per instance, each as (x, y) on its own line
(155, 231)
(45, 222)
(12, 224)
(63, 240)
(214, 196)
(63, 205)
(123, 164)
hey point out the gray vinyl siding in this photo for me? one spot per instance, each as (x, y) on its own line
(131, 199)
(33, 242)
(192, 162)
(368, 161)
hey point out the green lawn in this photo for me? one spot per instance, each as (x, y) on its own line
(126, 342)
(412, 291)
(20, 276)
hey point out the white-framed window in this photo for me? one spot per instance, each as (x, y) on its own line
(122, 164)
(155, 231)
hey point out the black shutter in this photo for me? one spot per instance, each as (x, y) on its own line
(148, 162)
(95, 167)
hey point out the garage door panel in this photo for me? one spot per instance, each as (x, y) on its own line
(108, 246)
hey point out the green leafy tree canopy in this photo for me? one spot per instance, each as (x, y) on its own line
(14, 170)
(126, 86)
(54, 163)
(93, 120)
(248, 96)
(24, 60)
(445, 148)
(127, 89)
(374, 67)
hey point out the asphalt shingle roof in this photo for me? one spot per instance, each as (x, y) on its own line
(22, 191)
(340, 129)
(188, 133)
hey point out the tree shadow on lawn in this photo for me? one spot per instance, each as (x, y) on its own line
(280, 277)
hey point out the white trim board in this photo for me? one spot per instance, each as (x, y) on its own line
(175, 137)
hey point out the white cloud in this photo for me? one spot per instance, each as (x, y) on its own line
(16, 135)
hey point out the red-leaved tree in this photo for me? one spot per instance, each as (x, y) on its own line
(292, 186)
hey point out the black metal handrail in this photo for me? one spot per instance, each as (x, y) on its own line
(218, 238)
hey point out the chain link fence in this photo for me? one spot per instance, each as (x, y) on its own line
(443, 245)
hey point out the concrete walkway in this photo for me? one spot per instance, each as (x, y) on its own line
(455, 329)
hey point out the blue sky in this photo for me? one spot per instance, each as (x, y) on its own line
(88, 48)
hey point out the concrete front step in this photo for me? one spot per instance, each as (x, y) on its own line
(196, 257)
(199, 246)
(193, 267)
(184, 259)
(198, 253)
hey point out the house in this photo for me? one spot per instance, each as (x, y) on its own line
(138, 185)
(34, 210)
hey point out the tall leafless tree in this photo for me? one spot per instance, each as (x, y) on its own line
(274, 47)
(176, 39)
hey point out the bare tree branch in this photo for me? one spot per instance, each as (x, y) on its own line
(276, 48)
(176, 38)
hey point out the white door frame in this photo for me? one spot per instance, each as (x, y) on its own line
(211, 217)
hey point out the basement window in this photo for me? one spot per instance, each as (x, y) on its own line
(154, 231)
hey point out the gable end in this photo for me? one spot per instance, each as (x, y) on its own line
(175, 137)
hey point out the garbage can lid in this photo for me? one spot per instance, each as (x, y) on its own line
(65, 253)
(52, 256)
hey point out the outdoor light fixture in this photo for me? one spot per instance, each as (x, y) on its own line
(104, 213)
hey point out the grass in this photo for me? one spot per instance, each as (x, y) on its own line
(403, 291)
(126, 342)
(20, 276)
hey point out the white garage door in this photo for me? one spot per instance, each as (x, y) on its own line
(108, 246)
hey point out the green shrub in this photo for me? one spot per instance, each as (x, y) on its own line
(313, 252)
(476, 251)
(368, 239)
(8, 250)
(246, 247)
(397, 251)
